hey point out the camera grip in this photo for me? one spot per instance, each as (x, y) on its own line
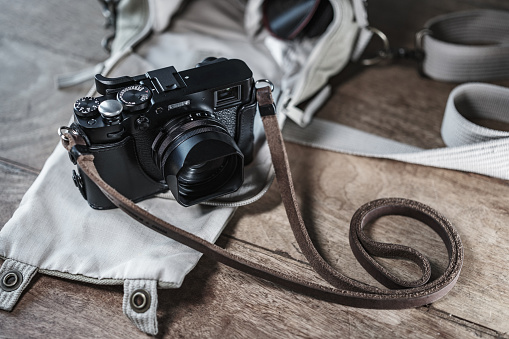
(245, 126)
(120, 155)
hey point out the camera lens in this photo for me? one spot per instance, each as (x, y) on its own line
(207, 176)
(198, 158)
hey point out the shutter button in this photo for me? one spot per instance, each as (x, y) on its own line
(140, 301)
(110, 109)
(11, 280)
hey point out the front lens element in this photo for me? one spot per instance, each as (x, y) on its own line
(198, 159)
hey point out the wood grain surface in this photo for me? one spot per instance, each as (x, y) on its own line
(41, 39)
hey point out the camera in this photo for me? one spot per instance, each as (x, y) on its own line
(190, 132)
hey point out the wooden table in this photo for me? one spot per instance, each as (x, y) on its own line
(42, 39)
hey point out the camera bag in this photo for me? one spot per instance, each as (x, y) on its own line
(75, 247)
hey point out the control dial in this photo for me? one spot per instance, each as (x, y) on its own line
(86, 107)
(135, 97)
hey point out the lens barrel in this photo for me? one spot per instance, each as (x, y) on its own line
(198, 158)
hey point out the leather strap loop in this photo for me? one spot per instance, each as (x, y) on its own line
(347, 291)
(365, 249)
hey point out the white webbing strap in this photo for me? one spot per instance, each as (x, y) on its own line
(140, 304)
(467, 46)
(471, 147)
(365, 34)
(14, 278)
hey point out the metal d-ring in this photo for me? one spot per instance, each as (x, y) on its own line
(61, 132)
(419, 37)
(383, 54)
(268, 82)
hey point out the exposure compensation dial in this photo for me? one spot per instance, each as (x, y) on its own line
(135, 97)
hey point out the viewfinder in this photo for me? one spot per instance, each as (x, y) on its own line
(227, 96)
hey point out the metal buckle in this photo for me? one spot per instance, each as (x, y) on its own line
(109, 12)
(386, 53)
(383, 54)
(419, 37)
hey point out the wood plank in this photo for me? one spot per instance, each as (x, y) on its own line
(61, 308)
(329, 197)
(216, 301)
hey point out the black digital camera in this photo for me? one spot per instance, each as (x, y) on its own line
(190, 132)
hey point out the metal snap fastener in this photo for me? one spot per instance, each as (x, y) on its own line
(11, 280)
(140, 301)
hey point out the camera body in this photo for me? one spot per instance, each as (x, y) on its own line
(190, 132)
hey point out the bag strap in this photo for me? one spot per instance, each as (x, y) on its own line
(346, 290)
(470, 147)
(466, 46)
(457, 47)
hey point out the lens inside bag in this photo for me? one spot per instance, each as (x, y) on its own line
(198, 158)
(291, 19)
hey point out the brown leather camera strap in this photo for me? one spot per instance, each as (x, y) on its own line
(345, 290)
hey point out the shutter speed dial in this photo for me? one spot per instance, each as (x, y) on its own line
(135, 97)
(86, 107)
